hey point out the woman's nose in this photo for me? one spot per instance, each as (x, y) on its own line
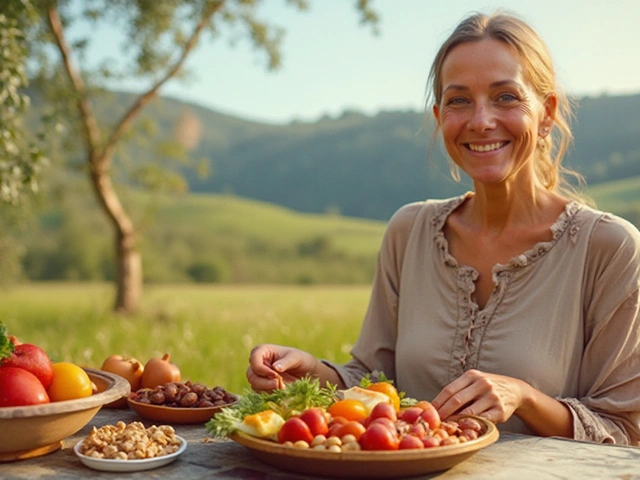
(482, 119)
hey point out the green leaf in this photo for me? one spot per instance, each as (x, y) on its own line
(295, 397)
(6, 346)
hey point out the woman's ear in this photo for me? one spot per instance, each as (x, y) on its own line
(550, 106)
(436, 113)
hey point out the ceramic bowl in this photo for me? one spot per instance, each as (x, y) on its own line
(35, 430)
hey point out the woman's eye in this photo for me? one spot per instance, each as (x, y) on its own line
(507, 98)
(457, 101)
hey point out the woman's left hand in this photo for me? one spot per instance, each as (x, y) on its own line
(491, 396)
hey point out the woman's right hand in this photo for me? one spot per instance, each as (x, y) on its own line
(271, 365)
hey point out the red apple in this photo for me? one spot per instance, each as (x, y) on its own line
(19, 388)
(33, 359)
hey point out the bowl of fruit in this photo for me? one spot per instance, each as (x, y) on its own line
(43, 402)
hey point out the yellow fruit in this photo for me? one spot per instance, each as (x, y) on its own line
(69, 382)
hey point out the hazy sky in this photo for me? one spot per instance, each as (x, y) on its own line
(332, 63)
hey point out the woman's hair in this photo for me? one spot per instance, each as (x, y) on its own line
(540, 72)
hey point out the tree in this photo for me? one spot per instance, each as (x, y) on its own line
(20, 158)
(162, 35)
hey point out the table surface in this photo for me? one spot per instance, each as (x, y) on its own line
(511, 457)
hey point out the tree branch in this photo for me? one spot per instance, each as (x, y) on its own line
(128, 117)
(92, 132)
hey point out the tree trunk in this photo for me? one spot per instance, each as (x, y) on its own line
(128, 273)
(128, 258)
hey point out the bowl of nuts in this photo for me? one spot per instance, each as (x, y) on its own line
(180, 402)
(129, 447)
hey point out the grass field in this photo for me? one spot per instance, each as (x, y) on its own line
(208, 330)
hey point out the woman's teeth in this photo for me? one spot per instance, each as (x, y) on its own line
(486, 148)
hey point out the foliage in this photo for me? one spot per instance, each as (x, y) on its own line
(20, 157)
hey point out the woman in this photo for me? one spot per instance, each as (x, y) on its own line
(515, 302)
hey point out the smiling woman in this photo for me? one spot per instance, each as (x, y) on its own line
(470, 290)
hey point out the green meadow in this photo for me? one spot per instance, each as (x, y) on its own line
(208, 330)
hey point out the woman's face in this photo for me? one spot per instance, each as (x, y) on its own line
(489, 114)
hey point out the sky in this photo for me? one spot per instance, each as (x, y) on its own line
(332, 63)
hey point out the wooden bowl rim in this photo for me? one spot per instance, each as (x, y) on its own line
(116, 387)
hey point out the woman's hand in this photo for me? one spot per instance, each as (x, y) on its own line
(271, 365)
(494, 397)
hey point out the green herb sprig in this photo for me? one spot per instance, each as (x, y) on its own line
(294, 398)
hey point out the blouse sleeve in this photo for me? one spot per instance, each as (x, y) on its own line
(374, 352)
(609, 409)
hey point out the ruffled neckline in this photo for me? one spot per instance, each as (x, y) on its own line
(564, 223)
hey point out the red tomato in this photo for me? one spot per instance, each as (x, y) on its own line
(410, 414)
(316, 421)
(351, 428)
(349, 409)
(429, 414)
(417, 430)
(431, 441)
(294, 429)
(383, 410)
(33, 359)
(385, 422)
(334, 425)
(19, 387)
(410, 442)
(378, 437)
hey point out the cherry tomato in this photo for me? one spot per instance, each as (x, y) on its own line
(431, 441)
(389, 390)
(429, 414)
(334, 425)
(315, 420)
(410, 442)
(351, 428)
(349, 409)
(383, 410)
(410, 414)
(378, 437)
(417, 430)
(293, 430)
(385, 422)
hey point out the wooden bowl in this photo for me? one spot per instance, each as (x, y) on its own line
(174, 415)
(367, 464)
(31, 431)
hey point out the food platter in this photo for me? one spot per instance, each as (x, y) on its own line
(174, 415)
(367, 464)
(110, 465)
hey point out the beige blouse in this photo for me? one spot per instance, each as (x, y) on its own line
(563, 316)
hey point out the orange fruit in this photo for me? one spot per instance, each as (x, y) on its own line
(389, 390)
(349, 409)
(69, 382)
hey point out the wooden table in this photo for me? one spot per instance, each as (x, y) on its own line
(512, 457)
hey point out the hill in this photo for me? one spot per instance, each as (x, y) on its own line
(367, 166)
(205, 238)
(355, 164)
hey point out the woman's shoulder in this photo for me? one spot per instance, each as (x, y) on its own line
(610, 229)
(611, 236)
